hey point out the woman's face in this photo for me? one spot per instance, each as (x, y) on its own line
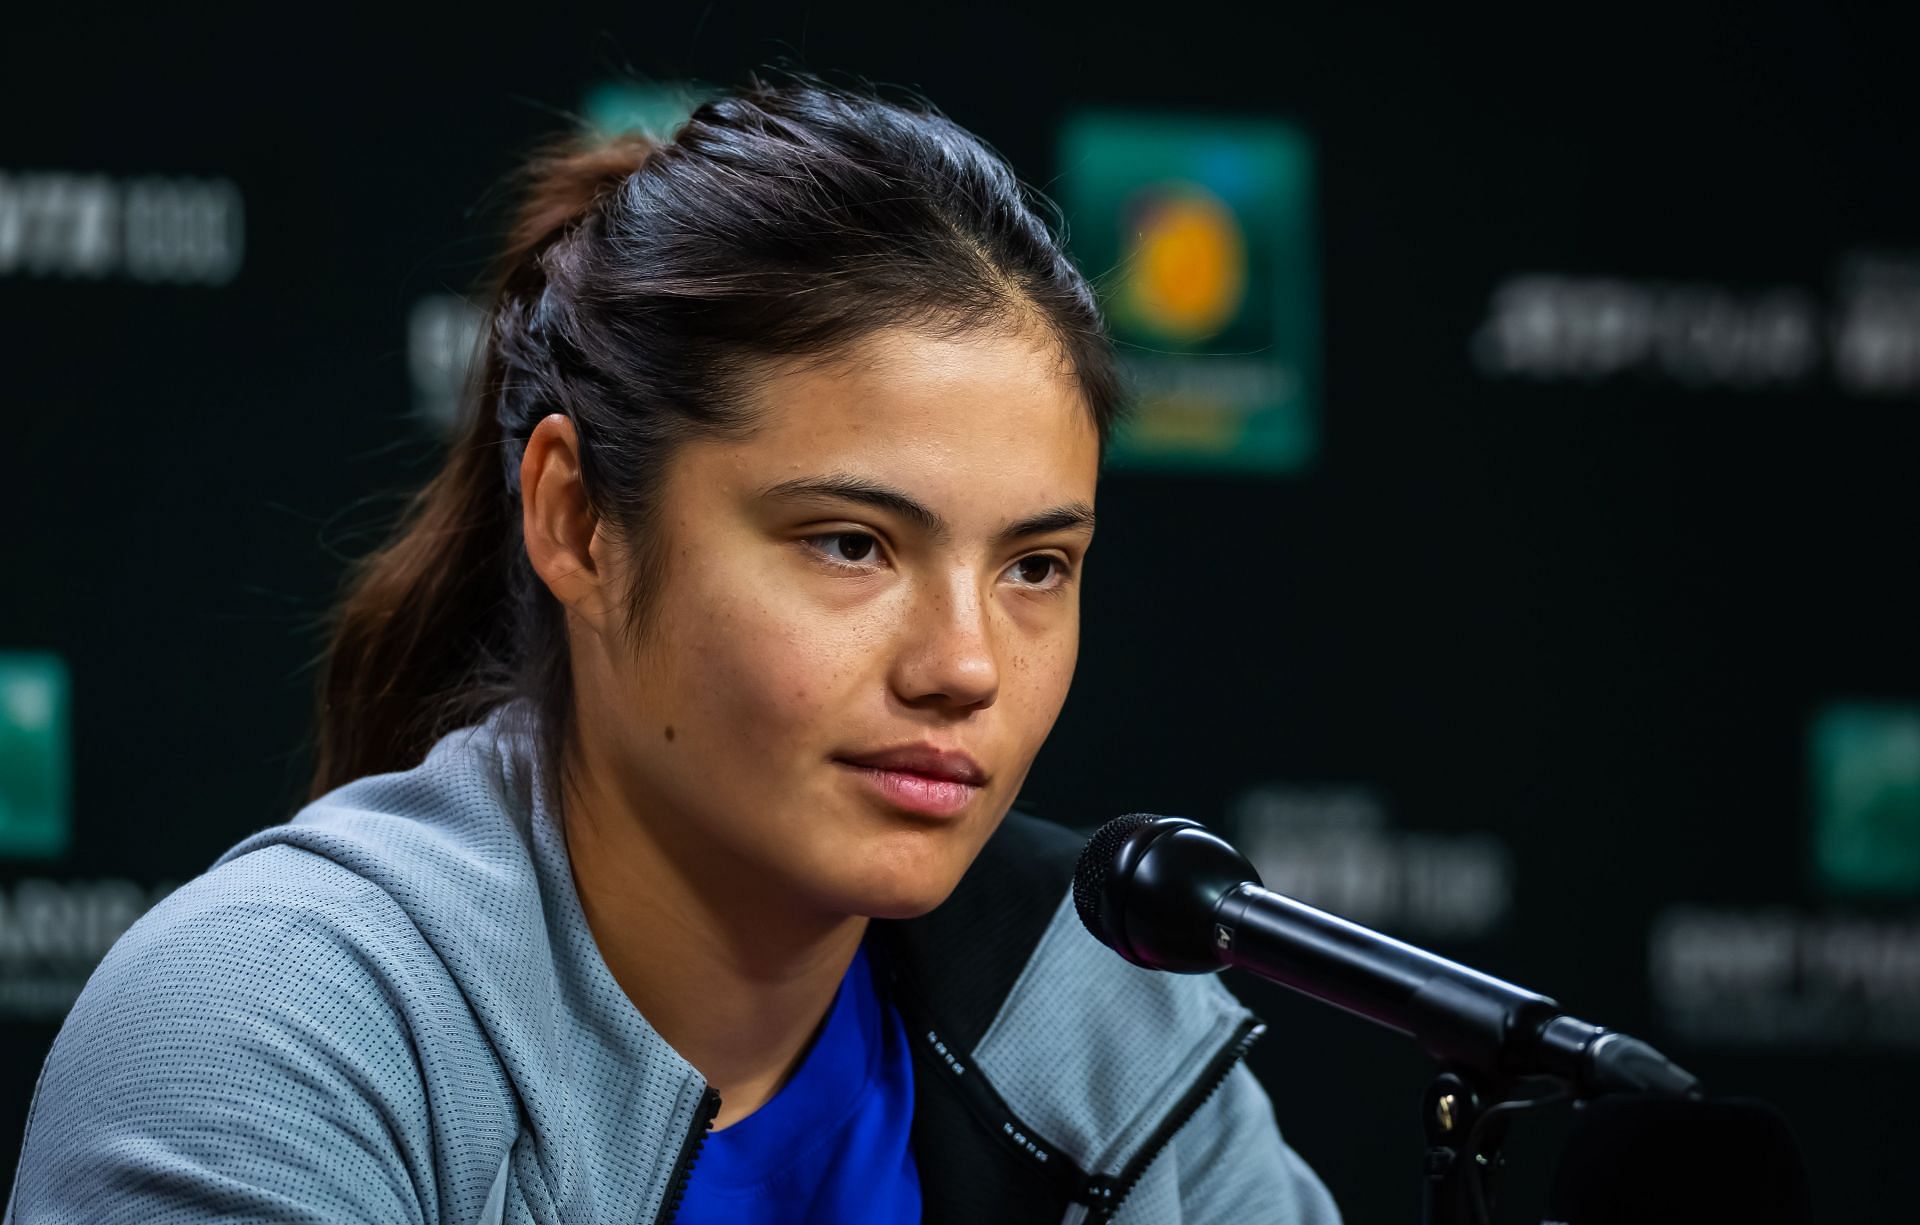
(864, 626)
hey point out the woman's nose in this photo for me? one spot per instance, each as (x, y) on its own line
(948, 657)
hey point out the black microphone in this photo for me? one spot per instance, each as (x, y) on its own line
(1168, 894)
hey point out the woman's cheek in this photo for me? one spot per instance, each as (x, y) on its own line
(783, 671)
(1043, 661)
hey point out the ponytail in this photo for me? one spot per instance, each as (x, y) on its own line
(424, 640)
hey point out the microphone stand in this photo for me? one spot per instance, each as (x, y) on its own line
(1466, 1123)
(1168, 894)
(1449, 1111)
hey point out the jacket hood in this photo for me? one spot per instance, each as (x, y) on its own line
(465, 844)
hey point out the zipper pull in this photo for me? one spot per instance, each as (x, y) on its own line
(1100, 1195)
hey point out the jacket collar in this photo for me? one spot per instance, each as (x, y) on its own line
(1080, 1054)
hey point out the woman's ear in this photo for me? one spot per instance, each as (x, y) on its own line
(558, 524)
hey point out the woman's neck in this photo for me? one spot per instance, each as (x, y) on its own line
(733, 974)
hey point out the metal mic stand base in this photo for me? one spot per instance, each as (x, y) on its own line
(1463, 1152)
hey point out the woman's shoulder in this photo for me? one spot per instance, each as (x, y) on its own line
(289, 932)
(306, 1022)
(278, 913)
(461, 818)
(445, 847)
(277, 959)
(372, 905)
(253, 1005)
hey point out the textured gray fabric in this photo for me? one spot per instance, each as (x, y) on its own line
(1095, 1100)
(1092, 1051)
(391, 1009)
(247, 1052)
(356, 1016)
(1230, 1165)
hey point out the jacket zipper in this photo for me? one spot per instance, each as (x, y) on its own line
(689, 1153)
(1106, 1194)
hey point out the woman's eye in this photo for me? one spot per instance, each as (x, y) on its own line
(1040, 570)
(847, 548)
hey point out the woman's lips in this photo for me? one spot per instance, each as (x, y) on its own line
(920, 794)
(924, 779)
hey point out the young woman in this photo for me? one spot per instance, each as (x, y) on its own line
(659, 865)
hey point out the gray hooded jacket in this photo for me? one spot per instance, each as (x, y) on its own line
(391, 1009)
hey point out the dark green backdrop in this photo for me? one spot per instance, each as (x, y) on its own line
(1566, 615)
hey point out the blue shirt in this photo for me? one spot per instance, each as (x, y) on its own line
(832, 1146)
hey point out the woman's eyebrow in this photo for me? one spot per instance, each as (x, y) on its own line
(850, 488)
(1074, 516)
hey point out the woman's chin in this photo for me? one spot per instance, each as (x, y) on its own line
(898, 874)
(899, 896)
(904, 907)
(899, 892)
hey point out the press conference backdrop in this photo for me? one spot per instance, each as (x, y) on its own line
(1515, 548)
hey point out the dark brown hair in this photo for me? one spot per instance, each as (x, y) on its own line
(642, 288)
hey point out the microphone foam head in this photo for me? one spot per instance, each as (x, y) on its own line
(1093, 877)
(1147, 886)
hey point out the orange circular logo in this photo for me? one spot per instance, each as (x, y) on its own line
(1187, 269)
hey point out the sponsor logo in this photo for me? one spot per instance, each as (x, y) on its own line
(1865, 773)
(35, 821)
(1781, 977)
(52, 935)
(1558, 328)
(443, 341)
(656, 109)
(1771, 977)
(444, 329)
(1333, 848)
(1198, 233)
(91, 227)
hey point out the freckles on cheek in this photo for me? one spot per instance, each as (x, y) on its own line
(1044, 672)
(773, 678)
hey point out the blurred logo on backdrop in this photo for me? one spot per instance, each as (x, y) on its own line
(1550, 327)
(655, 108)
(1849, 974)
(1866, 800)
(1198, 234)
(35, 821)
(90, 227)
(443, 338)
(1334, 848)
(53, 934)
(443, 329)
